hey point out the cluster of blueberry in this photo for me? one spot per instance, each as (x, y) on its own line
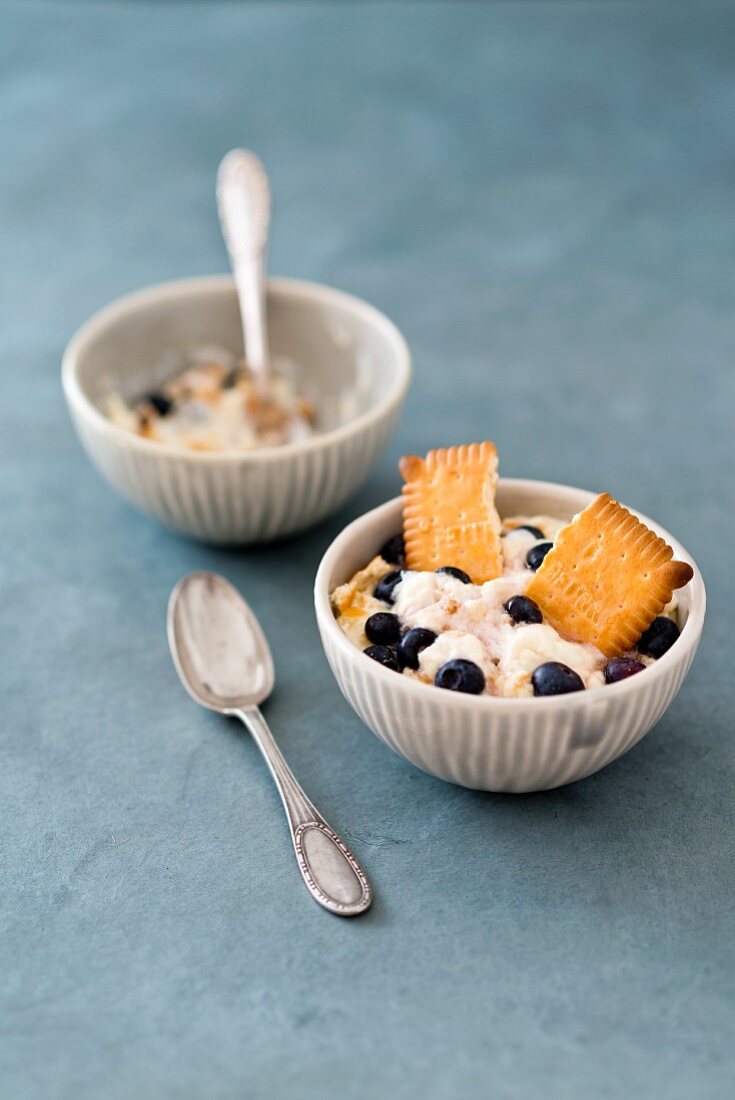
(398, 651)
(537, 553)
(389, 647)
(555, 678)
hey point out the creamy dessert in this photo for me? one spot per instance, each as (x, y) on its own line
(211, 402)
(472, 624)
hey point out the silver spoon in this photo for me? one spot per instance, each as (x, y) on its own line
(244, 204)
(224, 662)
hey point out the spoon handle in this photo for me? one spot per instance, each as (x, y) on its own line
(332, 875)
(243, 201)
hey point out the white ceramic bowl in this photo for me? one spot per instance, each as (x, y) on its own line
(353, 363)
(493, 744)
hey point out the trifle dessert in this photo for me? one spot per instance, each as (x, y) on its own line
(211, 401)
(526, 605)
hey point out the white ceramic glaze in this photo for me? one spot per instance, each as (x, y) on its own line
(512, 745)
(352, 361)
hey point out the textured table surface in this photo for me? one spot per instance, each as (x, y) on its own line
(542, 198)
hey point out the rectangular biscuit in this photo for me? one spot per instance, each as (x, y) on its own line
(449, 514)
(606, 578)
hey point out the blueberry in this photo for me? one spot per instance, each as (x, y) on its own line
(411, 644)
(231, 379)
(452, 571)
(554, 678)
(461, 675)
(620, 668)
(383, 628)
(384, 587)
(523, 610)
(659, 638)
(394, 551)
(535, 531)
(160, 403)
(536, 554)
(383, 656)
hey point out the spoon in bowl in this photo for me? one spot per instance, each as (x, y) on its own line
(244, 205)
(224, 662)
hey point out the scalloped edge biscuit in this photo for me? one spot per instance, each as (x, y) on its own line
(606, 578)
(449, 514)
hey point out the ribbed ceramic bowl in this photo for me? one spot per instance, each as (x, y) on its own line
(352, 361)
(490, 744)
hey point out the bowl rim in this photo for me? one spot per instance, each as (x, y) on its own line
(281, 286)
(686, 643)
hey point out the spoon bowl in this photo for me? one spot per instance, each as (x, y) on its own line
(220, 652)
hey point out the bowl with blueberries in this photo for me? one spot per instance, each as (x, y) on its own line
(473, 683)
(172, 415)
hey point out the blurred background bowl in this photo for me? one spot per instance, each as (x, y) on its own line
(349, 359)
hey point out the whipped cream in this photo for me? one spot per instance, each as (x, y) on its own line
(470, 622)
(469, 619)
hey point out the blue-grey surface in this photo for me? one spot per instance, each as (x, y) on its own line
(542, 197)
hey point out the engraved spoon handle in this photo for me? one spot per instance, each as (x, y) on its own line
(244, 204)
(332, 875)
